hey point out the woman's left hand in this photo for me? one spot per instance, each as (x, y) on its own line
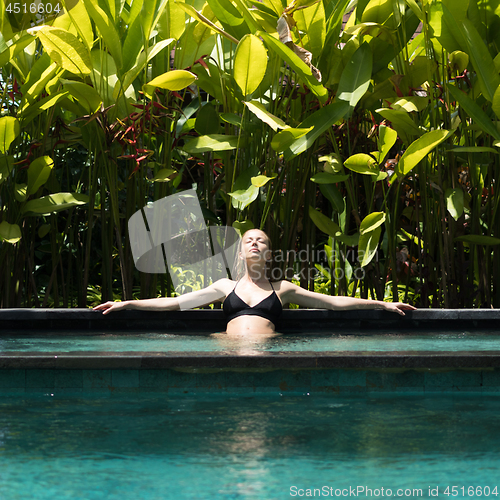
(398, 307)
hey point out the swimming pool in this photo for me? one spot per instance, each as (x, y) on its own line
(381, 340)
(259, 447)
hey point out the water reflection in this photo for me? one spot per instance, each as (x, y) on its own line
(248, 344)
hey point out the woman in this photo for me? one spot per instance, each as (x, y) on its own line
(253, 304)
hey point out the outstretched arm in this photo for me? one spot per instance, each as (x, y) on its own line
(212, 293)
(297, 295)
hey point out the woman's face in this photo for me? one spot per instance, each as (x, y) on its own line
(255, 245)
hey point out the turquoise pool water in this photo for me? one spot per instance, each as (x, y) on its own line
(161, 342)
(260, 447)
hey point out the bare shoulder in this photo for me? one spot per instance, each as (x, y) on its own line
(224, 285)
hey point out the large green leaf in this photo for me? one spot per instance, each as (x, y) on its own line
(11, 233)
(38, 173)
(387, 137)
(175, 80)
(6, 166)
(478, 239)
(371, 222)
(230, 17)
(86, 95)
(311, 21)
(65, 50)
(475, 112)
(54, 203)
(356, 76)
(300, 67)
(10, 52)
(284, 139)
(32, 110)
(455, 202)
(333, 195)
(321, 120)
(9, 130)
(362, 164)
(419, 149)
(261, 112)
(401, 122)
(250, 64)
(105, 25)
(368, 245)
(481, 60)
(324, 223)
(326, 178)
(244, 192)
(213, 142)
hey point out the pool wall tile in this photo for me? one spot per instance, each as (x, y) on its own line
(125, 378)
(96, 379)
(38, 378)
(11, 379)
(241, 381)
(69, 379)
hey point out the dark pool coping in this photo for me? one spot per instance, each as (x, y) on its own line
(293, 321)
(473, 360)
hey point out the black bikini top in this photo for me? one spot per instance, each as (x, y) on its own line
(269, 308)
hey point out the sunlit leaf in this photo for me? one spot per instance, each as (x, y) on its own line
(9, 130)
(11, 233)
(371, 222)
(54, 203)
(284, 139)
(163, 175)
(260, 111)
(38, 173)
(250, 63)
(261, 180)
(65, 50)
(455, 202)
(368, 245)
(212, 142)
(418, 150)
(362, 164)
(175, 80)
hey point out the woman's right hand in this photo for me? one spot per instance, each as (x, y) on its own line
(108, 307)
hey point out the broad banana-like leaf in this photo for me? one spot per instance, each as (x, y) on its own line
(321, 120)
(86, 95)
(204, 20)
(333, 195)
(243, 226)
(418, 150)
(38, 173)
(475, 112)
(54, 203)
(387, 137)
(481, 59)
(371, 222)
(377, 11)
(326, 178)
(107, 29)
(9, 130)
(30, 111)
(163, 175)
(368, 244)
(230, 17)
(213, 142)
(455, 202)
(259, 110)
(207, 120)
(356, 76)
(299, 66)
(284, 139)
(13, 50)
(478, 239)
(324, 223)
(6, 166)
(362, 164)
(261, 180)
(65, 50)
(244, 192)
(175, 80)
(311, 21)
(250, 64)
(401, 122)
(81, 21)
(40, 74)
(10, 233)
